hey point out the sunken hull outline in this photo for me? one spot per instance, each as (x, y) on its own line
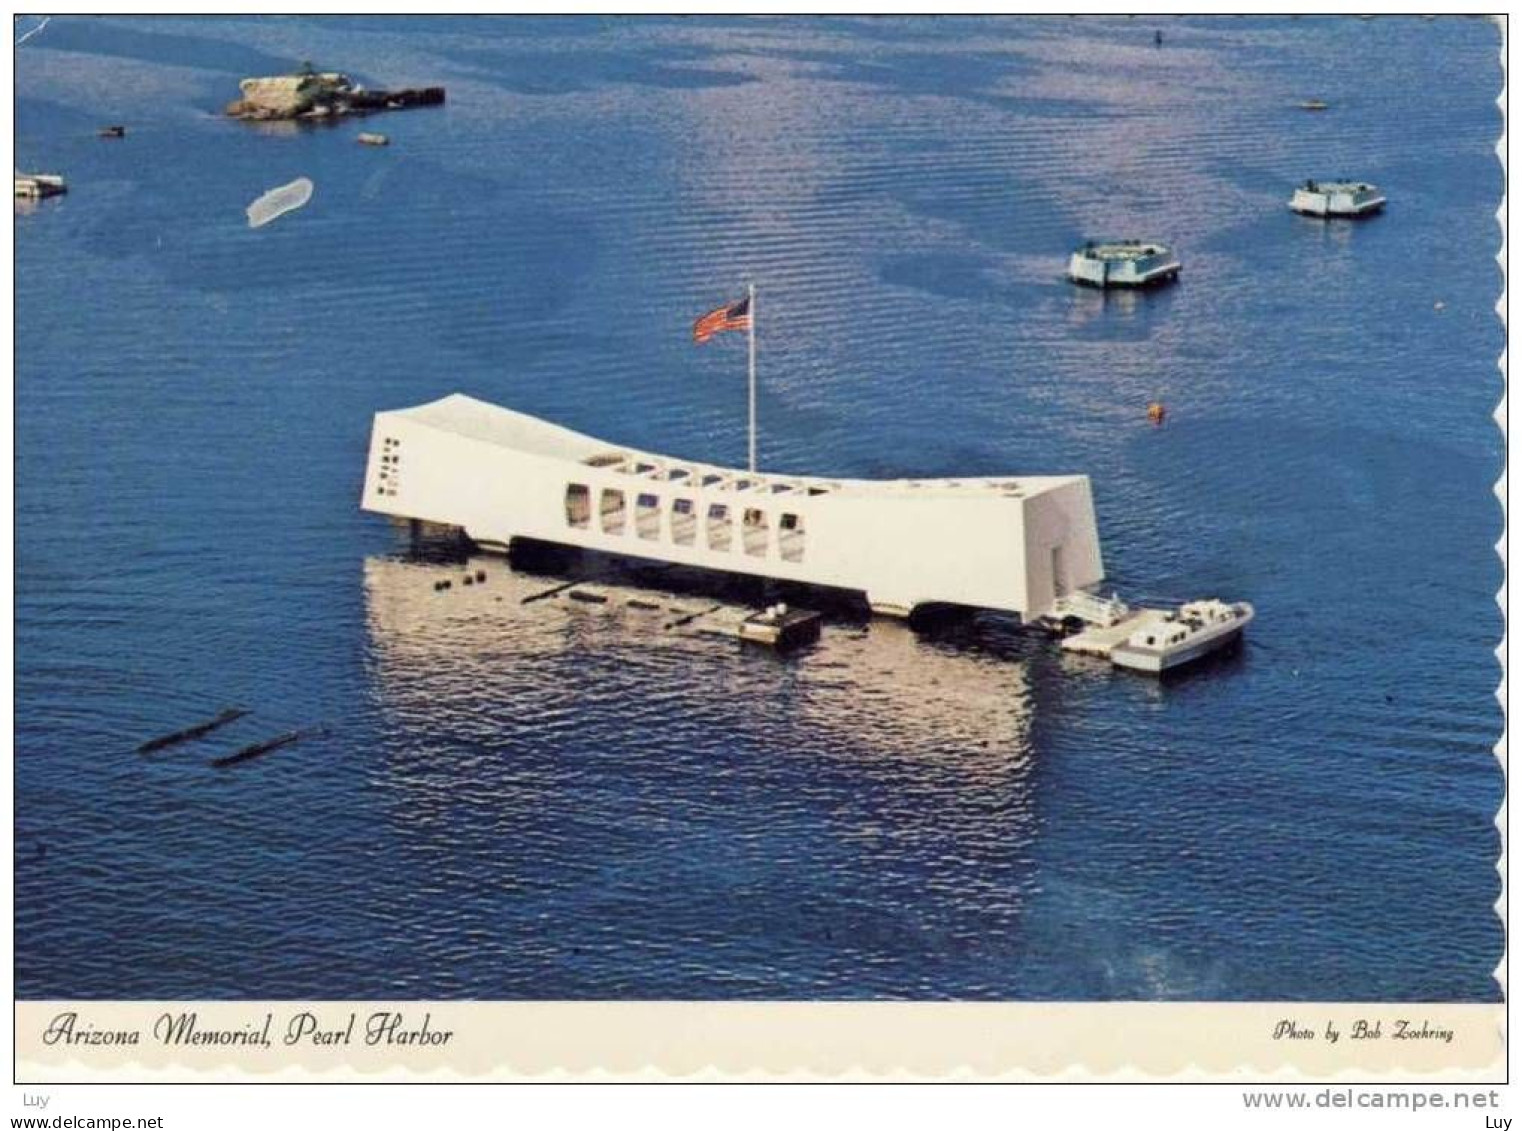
(1011, 543)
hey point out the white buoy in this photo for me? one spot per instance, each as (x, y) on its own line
(278, 201)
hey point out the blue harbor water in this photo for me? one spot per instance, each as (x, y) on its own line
(539, 801)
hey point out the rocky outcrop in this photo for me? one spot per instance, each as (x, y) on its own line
(321, 94)
(289, 96)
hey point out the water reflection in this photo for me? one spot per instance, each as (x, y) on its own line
(790, 825)
(1090, 303)
(29, 205)
(1337, 234)
(880, 685)
(915, 699)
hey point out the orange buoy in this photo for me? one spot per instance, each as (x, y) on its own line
(1156, 412)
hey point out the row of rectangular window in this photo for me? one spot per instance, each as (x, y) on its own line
(718, 532)
(390, 467)
(717, 480)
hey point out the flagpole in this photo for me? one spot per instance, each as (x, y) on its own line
(753, 377)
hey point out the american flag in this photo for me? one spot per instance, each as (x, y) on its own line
(733, 316)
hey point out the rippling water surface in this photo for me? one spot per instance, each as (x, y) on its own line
(542, 801)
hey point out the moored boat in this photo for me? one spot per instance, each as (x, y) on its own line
(1196, 630)
(1124, 263)
(1337, 198)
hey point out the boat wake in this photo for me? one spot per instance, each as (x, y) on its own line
(278, 201)
(33, 32)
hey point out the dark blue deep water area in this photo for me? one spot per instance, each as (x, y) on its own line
(551, 800)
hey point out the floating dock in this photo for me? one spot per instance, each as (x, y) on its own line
(781, 627)
(1123, 263)
(1349, 199)
(35, 186)
(1102, 639)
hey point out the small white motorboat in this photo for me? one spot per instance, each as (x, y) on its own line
(1193, 632)
(1337, 198)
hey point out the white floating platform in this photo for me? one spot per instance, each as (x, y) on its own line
(1101, 640)
(1337, 198)
(35, 186)
(1126, 263)
(781, 627)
